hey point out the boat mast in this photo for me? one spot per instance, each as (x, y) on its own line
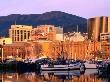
(62, 53)
(77, 28)
(100, 45)
(75, 56)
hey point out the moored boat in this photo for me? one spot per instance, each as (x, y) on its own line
(90, 65)
(63, 66)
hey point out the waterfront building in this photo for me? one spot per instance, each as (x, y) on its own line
(59, 34)
(14, 50)
(76, 46)
(105, 37)
(20, 33)
(47, 32)
(52, 49)
(96, 26)
(105, 46)
(44, 48)
(30, 49)
(21, 50)
(4, 41)
(74, 50)
(109, 24)
(47, 41)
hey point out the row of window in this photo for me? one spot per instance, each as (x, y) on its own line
(20, 31)
(21, 37)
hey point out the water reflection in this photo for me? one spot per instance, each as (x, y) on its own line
(90, 75)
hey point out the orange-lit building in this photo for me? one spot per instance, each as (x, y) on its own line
(75, 50)
(96, 26)
(105, 46)
(32, 49)
(76, 47)
(47, 32)
(105, 37)
(14, 50)
(42, 48)
(21, 49)
(52, 49)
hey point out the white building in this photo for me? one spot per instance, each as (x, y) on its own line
(20, 33)
(75, 37)
(48, 32)
(105, 37)
(59, 33)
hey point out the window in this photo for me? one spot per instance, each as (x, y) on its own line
(28, 35)
(18, 38)
(50, 29)
(24, 35)
(21, 37)
(21, 31)
(17, 31)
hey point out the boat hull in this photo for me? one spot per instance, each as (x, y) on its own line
(60, 67)
(90, 66)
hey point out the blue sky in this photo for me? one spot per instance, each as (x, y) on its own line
(84, 8)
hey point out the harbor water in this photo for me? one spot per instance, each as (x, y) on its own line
(89, 75)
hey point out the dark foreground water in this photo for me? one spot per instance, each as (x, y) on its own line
(90, 75)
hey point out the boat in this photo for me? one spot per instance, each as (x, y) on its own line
(90, 65)
(105, 64)
(67, 65)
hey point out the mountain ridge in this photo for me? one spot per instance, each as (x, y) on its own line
(57, 18)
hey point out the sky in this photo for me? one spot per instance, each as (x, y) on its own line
(83, 8)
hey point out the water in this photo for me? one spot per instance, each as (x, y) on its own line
(90, 75)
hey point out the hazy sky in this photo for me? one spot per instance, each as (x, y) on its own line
(84, 8)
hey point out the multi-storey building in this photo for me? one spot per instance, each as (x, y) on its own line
(105, 37)
(96, 26)
(47, 32)
(106, 49)
(14, 50)
(20, 33)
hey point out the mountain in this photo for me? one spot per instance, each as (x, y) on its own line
(57, 18)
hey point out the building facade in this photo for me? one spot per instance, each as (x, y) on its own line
(96, 26)
(109, 24)
(20, 33)
(14, 50)
(105, 48)
(105, 37)
(82, 50)
(47, 32)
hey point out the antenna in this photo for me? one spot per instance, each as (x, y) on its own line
(77, 28)
(15, 22)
